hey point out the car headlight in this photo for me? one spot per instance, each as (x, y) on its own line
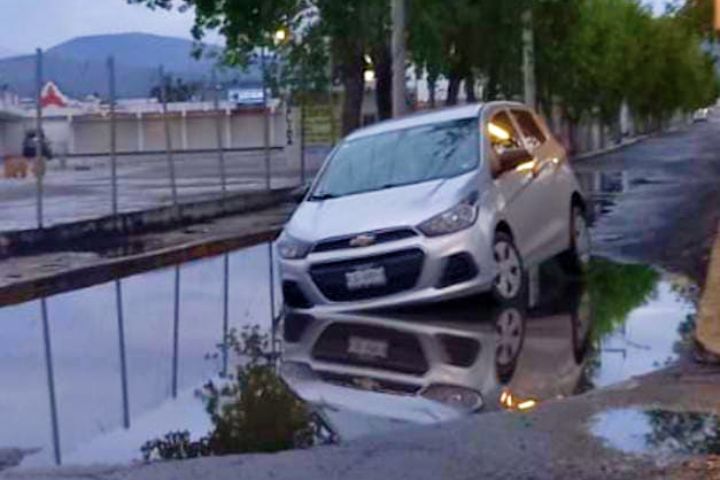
(293, 249)
(460, 217)
(456, 397)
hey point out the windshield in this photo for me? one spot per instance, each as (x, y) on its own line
(400, 157)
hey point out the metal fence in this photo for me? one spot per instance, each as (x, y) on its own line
(114, 156)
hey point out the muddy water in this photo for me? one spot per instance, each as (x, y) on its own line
(83, 381)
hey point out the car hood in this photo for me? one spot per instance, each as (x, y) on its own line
(395, 207)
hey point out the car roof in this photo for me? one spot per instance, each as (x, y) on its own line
(427, 118)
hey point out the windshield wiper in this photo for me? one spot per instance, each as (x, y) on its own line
(323, 196)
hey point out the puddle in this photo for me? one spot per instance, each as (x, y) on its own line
(380, 371)
(658, 432)
(92, 383)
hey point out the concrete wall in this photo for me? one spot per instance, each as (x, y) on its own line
(90, 135)
(11, 137)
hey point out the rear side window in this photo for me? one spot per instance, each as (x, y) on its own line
(532, 132)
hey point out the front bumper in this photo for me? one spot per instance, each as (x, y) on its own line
(428, 286)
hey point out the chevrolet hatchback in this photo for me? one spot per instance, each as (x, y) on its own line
(433, 207)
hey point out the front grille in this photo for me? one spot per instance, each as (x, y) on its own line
(383, 236)
(402, 271)
(384, 386)
(404, 353)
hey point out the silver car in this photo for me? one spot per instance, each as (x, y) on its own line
(432, 207)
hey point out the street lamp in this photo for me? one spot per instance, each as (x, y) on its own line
(280, 36)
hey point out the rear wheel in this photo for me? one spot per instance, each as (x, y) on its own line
(509, 281)
(576, 259)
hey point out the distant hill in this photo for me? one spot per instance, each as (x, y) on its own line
(6, 52)
(79, 68)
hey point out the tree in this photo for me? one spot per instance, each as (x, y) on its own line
(176, 90)
(353, 29)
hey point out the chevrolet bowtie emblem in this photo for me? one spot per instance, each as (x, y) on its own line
(364, 240)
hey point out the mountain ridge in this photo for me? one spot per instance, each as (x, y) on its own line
(79, 65)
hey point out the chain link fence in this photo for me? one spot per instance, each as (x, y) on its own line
(68, 160)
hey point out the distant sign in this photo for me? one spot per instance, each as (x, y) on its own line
(321, 126)
(246, 96)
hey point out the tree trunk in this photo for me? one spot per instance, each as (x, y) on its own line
(453, 89)
(470, 89)
(351, 68)
(432, 83)
(382, 60)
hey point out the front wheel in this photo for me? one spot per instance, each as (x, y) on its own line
(509, 281)
(576, 259)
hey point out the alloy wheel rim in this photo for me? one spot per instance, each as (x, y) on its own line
(509, 330)
(509, 278)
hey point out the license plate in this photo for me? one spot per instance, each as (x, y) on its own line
(365, 278)
(368, 348)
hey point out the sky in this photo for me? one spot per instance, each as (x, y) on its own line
(31, 24)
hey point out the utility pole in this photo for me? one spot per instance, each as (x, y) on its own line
(528, 41)
(399, 53)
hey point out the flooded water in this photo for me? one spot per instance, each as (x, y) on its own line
(657, 431)
(90, 382)
(83, 381)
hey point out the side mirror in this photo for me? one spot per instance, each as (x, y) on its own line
(512, 158)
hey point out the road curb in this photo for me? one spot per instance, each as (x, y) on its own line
(708, 320)
(118, 268)
(613, 148)
(627, 143)
(69, 236)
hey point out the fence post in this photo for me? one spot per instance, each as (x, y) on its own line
(39, 169)
(176, 332)
(218, 131)
(303, 174)
(113, 135)
(266, 120)
(50, 381)
(123, 357)
(168, 138)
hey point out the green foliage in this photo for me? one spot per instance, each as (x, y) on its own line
(253, 411)
(591, 55)
(616, 290)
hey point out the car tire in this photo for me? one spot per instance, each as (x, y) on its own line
(510, 281)
(576, 259)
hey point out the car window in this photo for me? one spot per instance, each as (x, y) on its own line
(401, 157)
(534, 135)
(503, 137)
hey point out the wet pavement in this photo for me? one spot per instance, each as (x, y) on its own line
(82, 190)
(92, 383)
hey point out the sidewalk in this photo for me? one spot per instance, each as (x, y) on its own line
(31, 276)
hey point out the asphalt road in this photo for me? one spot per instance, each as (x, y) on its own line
(661, 203)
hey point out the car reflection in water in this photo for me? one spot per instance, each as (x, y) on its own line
(369, 373)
